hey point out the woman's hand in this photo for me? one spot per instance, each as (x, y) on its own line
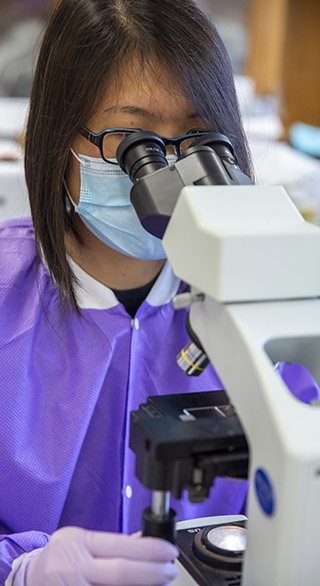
(76, 557)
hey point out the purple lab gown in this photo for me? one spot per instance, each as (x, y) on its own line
(68, 384)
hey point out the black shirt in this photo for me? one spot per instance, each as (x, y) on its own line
(131, 299)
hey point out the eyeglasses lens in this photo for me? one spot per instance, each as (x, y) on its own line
(186, 143)
(112, 140)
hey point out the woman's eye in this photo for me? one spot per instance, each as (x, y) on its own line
(196, 131)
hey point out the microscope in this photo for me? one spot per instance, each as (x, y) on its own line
(253, 266)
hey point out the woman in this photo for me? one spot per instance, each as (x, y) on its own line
(87, 329)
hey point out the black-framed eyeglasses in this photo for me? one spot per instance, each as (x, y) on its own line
(109, 139)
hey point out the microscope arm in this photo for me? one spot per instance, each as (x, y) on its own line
(258, 264)
(283, 434)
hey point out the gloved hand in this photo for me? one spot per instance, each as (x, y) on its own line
(76, 557)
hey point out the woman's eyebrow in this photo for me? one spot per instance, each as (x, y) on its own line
(143, 112)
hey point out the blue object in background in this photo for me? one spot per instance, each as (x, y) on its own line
(305, 138)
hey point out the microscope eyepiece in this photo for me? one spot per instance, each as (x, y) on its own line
(218, 142)
(141, 153)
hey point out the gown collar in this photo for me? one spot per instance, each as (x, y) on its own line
(94, 295)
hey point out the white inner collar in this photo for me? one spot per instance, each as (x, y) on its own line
(93, 295)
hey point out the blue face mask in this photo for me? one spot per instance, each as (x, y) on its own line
(106, 209)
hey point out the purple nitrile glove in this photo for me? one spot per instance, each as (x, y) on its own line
(76, 557)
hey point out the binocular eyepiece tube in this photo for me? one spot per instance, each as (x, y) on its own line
(209, 160)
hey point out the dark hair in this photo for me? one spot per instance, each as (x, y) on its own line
(86, 42)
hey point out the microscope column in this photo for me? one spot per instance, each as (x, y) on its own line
(159, 520)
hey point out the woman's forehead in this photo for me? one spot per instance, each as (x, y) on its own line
(150, 92)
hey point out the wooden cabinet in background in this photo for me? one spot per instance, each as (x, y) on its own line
(284, 55)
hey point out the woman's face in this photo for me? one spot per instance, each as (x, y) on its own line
(142, 101)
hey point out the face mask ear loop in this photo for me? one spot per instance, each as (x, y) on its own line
(76, 157)
(70, 200)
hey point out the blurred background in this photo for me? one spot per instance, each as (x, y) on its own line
(21, 26)
(274, 48)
